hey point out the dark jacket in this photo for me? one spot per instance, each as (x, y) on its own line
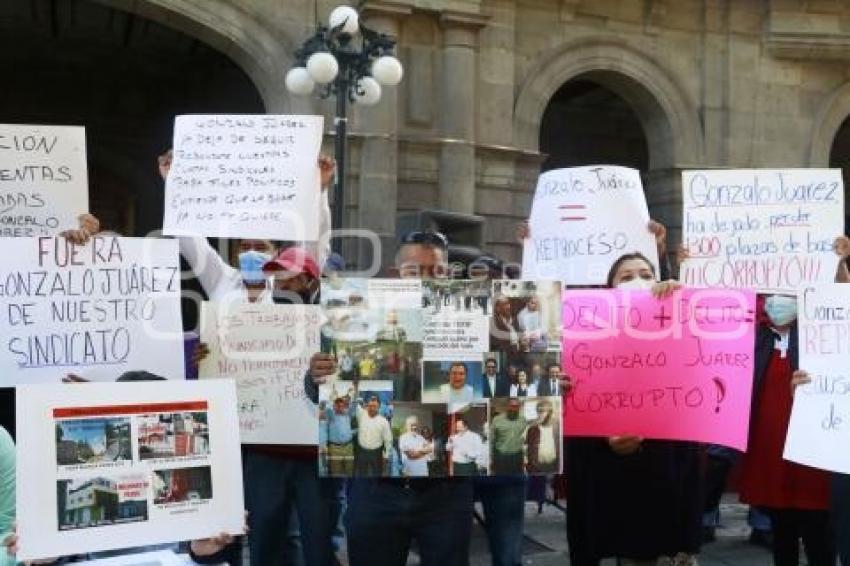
(765, 343)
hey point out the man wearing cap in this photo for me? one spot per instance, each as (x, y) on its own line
(295, 277)
(391, 513)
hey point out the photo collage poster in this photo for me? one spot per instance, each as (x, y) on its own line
(441, 378)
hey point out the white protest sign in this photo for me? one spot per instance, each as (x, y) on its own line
(103, 466)
(267, 350)
(819, 430)
(43, 179)
(97, 310)
(769, 230)
(246, 176)
(582, 220)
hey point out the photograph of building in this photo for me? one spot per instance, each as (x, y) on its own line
(85, 441)
(172, 435)
(98, 501)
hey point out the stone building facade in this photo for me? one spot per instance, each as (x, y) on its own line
(494, 90)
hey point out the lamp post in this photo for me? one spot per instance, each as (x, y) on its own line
(350, 61)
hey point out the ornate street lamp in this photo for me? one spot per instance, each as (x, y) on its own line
(350, 61)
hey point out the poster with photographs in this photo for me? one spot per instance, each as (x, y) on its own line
(103, 466)
(421, 367)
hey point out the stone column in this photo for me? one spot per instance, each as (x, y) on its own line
(457, 111)
(378, 184)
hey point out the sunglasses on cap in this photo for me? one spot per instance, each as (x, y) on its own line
(426, 237)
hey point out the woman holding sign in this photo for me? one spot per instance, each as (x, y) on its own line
(634, 499)
(795, 496)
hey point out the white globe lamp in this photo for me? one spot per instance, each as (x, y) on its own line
(387, 70)
(298, 81)
(323, 67)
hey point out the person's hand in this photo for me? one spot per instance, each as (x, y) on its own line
(199, 353)
(658, 230)
(74, 378)
(842, 246)
(11, 541)
(523, 231)
(682, 254)
(212, 545)
(164, 163)
(664, 289)
(625, 445)
(88, 226)
(798, 378)
(566, 384)
(327, 168)
(321, 366)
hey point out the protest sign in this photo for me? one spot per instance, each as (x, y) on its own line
(245, 176)
(456, 319)
(582, 220)
(819, 430)
(103, 466)
(43, 179)
(769, 230)
(266, 349)
(97, 310)
(679, 368)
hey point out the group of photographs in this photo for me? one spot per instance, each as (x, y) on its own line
(120, 469)
(441, 378)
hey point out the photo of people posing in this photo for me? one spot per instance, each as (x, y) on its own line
(420, 433)
(524, 436)
(468, 449)
(451, 296)
(521, 375)
(526, 317)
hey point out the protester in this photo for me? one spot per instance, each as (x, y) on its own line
(795, 496)
(633, 499)
(387, 514)
(281, 482)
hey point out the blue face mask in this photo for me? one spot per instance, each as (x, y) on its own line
(251, 265)
(781, 310)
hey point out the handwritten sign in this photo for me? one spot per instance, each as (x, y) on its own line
(96, 310)
(582, 220)
(43, 179)
(677, 369)
(104, 466)
(819, 431)
(248, 176)
(267, 350)
(767, 230)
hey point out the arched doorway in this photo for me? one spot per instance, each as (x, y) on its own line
(585, 123)
(123, 77)
(839, 158)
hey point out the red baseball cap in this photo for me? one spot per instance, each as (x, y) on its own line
(295, 260)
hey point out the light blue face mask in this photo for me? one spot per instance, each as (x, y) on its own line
(780, 309)
(251, 265)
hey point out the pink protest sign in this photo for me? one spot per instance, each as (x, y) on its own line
(678, 369)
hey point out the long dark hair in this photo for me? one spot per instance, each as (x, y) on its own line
(623, 259)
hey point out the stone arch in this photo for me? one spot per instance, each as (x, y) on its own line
(668, 117)
(832, 114)
(263, 55)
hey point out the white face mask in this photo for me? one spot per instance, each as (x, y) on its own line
(636, 284)
(780, 309)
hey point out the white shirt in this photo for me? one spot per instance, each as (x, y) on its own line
(531, 390)
(373, 432)
(466, 447)
(413, 467)
(529, 321)
(492, 380)
(546, 452)
(452, 395)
